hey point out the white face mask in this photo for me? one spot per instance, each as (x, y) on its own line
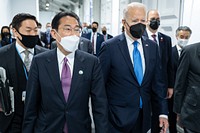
(70, 43)
(182, 42)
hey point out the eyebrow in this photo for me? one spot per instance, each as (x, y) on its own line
(31, 28)
(70, 25)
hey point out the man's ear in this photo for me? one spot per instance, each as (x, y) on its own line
(53, 33)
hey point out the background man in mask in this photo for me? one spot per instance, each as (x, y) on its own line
(65, 77)
(6, 36)
(183, 34)
(165, 55)
(16, 60)
(105, 34)
(129, 64)
(95, 37)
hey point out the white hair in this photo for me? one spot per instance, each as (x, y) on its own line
(132, 5)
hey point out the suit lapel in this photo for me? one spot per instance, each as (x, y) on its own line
(78, 72)
(124, 50)
(146, 56)
(53, 71)
(161, 44)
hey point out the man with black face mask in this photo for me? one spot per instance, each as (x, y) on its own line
(129, 64)
(16, 60)
(165, 55)
(105, 34)
(95, 37)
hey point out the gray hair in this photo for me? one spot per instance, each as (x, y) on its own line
(132, 5)
(183, 28)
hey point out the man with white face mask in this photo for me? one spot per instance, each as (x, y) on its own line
(61, 82)
(183, 34)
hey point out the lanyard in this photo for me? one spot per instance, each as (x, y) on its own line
(25, 71)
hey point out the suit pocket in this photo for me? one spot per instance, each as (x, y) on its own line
(40, 126)
(192, 95)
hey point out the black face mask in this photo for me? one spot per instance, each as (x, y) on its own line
(104, 32)
(154, 24)
(29, 41)
(6, 34)
(137, 30)
(94, 29)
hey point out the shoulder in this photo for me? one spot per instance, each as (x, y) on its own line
(40, 49)
(7, 48)
(192, 47)
(164, 35)
(84, 39)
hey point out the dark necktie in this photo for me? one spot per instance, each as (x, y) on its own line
(27, 60)
(154, 38)
(137, 66)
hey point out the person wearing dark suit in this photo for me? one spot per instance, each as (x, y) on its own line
(84, 45)
(165, 55)
(129, 72)
(61, 82)
(12, 59)
(95, 37)
(46, 37)
(183, 34)
(105, 35)
(187, 88)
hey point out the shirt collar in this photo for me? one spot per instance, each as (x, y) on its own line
(150, 33)
(21, 49)
(130, 41)
(61, 56)
(178, 47)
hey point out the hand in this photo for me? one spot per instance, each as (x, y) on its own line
(169, 93)
(163, 124)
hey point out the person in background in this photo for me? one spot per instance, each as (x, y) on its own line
(46, 37)
(165, 55)
(5, 36)
(187, 89)
(95, 37)
(16, 60)
(183, 34)
(61, 82)
(105, 34)
(129, 62)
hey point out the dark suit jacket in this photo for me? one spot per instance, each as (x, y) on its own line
(165, 54)
(108, 36)
(175, 59)
(123, 90)
(187, 87)
(44, 39)
(99, 40)
(46, 109)
(12, 63)
(84, 45)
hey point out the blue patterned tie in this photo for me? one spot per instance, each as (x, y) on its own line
(137, 65)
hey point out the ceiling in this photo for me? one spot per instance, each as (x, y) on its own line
(59, 5)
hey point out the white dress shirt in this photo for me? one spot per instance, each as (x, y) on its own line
(70, 61)
(131, 48)
(95, 39)
(21, 50)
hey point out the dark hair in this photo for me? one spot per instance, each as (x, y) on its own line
(19, 18)
(4, 27)
(183, 28)
(56, 20)
(39, 24)
(96, 23)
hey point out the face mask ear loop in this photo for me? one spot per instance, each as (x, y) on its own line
(58, 35)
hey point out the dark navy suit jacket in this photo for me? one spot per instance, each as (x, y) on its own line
(45, 107)
(123, 90)
(99, 40)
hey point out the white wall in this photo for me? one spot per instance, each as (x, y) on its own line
(191, 18)
(5, 18)
(45, 17)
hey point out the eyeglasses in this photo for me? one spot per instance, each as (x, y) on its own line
(68, 30)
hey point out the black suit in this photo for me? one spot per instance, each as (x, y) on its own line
(187, 87)
(99, 40)
(43, 38)
(46, 109)
(12, 63)
(123, 89)
(165, 55)
(84, 45)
